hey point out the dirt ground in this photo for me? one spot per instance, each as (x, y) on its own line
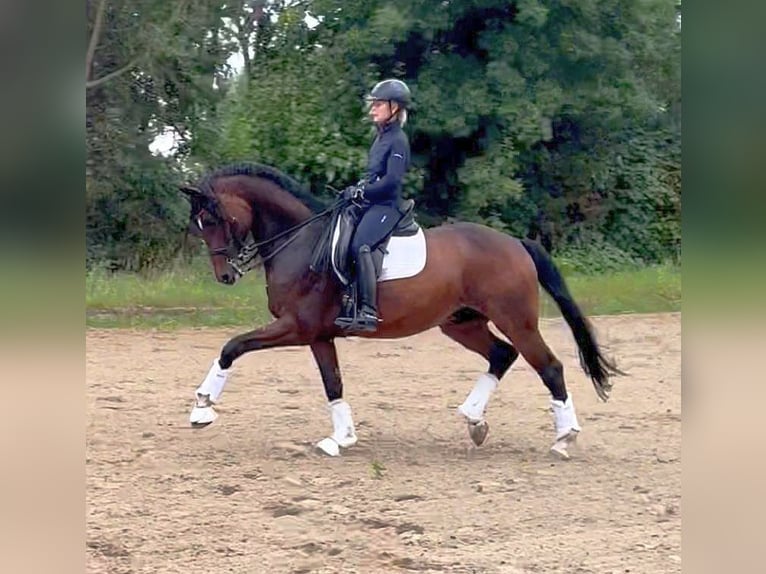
(249, 494)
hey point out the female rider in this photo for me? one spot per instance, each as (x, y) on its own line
(380, 192)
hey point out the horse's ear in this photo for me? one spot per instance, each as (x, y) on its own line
(191, 193)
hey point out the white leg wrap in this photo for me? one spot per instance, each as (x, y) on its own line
(208, 392)
(343, 424)
(476, 403)
(564, 417)
(214, 382)
(343, 434)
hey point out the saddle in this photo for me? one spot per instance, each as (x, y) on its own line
(335, 244)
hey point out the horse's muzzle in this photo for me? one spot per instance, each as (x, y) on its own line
(228, 278)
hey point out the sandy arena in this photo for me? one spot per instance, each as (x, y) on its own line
(249, 494)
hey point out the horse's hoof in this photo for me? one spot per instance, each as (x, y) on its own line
(347, 441)
(328, 446)
(560, 448)
(560, 451)
(201, 417)
(478, 432)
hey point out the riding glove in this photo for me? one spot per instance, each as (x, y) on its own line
(352, 192)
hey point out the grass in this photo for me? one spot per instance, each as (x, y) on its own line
(181, 296)
(654, 289)
(187, 295)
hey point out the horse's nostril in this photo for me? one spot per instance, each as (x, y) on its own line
(226, 278)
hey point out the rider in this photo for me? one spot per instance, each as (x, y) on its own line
(380, 191)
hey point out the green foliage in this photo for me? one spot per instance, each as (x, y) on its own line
(552, 119)
(286, 122)
(138, 224)
(377, 469)
(489, 183)
(153, 64)
(596, 258)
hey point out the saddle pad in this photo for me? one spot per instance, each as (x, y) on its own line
(406, 257)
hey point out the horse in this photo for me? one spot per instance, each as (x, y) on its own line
(473, 275)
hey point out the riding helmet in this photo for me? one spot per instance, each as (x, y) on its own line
(394, 90)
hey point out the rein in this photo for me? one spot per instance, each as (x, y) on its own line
(244, 260)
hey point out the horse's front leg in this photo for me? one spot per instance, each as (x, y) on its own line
(278, 333)
(343, 434)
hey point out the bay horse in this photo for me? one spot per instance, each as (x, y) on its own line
(473, 275)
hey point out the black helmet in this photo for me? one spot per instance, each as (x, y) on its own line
(394, 90)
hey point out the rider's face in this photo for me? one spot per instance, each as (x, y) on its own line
(380, 112)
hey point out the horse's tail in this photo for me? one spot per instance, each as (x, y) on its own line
(595, 365)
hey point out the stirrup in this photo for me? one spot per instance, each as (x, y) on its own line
(364, 321)
(344, 322)
(368, 317)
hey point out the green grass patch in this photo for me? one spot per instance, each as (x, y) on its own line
(187, 295)
(190, 285)
(654, 289)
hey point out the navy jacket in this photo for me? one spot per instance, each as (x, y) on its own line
(388, 160)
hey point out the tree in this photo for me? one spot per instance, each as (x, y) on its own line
(556, 119)
(149, 64)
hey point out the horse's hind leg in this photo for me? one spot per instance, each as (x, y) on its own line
(470, 329)
(526, 337)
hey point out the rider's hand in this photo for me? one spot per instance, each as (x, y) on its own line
(351, 192)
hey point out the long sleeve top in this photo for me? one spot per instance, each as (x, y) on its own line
(388, 160)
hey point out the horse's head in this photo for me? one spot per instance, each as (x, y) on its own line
(223, 221)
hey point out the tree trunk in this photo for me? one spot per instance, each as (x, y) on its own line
(94, 38)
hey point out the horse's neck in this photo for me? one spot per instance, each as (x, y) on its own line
(290, 263)
(275, 217)
(268, 225)
(274, 210)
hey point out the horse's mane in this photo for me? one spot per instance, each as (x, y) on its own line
(266, 172)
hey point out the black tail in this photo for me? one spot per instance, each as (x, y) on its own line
(595, 365)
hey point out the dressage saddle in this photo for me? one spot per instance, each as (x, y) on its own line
(336, 245)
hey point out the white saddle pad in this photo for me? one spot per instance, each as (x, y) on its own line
(406, 257)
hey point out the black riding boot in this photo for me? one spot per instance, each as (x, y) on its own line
(367, 317)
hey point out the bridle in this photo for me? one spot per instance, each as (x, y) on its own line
(242, 256)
